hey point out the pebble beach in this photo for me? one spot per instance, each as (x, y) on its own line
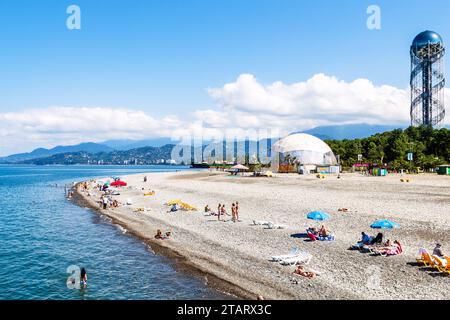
(235, 256)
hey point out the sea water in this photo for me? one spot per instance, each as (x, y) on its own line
(42, 235)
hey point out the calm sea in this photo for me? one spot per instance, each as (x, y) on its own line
(42, 234)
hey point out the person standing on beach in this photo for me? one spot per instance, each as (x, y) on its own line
(233, 212)
(237, 211)
(105, 202)
(219, 211)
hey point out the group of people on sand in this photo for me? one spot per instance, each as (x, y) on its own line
(106, 202)
(377, 246)
(160, 236)
(222, 211)
(321, 232)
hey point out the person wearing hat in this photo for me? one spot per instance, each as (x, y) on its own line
(438, 251)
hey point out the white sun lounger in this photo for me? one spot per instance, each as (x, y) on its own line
(261, 223)
(301, 257)
(293, 253)
(271, 225)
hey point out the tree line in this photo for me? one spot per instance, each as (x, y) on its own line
(430, 148)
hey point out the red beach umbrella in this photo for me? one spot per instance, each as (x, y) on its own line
(118, 183)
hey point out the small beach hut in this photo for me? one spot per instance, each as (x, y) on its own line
(238, 168)
(379, 172)
(444, 170)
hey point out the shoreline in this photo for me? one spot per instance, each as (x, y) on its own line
(180, 262)
(234, 257)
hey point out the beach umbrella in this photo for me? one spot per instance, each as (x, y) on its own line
(118, 183)
(239, 167)
(318, 215)
(385, 224)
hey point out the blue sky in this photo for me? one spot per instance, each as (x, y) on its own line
(161, 56)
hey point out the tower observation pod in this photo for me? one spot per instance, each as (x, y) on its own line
(427, 79)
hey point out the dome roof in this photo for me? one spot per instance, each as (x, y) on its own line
(301, 142)
(425, 38)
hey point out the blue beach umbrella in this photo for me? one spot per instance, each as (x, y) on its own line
(385, 224)
(318, 215)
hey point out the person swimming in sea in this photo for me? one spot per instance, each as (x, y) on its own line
(83, 277)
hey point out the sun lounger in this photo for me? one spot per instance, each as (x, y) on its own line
(426, 258)
(301, 257)
(271, 225)
(261, 223)
(440, 263)
(294, 252)
(447, 268)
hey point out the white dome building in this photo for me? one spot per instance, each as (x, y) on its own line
(304, 149)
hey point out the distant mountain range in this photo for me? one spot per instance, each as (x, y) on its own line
(134, 144)
(139, 151)
(42, 152)
(350, 131)
(138, 156)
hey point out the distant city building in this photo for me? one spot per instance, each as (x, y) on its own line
(427, 79)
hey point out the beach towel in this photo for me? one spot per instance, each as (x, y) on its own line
(327, 238)
(311, 236)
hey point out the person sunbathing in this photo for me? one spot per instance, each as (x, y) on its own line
(377, 240)
(365, 240)
(324, 232)
(301, 271)
(158, 234)
(313, 231)
(395, 249)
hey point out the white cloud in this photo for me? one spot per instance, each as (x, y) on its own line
(321, 99)
(240, 105)
(53, 126)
